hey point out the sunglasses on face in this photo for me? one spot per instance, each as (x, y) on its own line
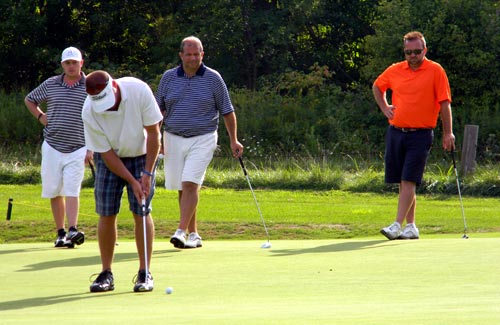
(416, 52)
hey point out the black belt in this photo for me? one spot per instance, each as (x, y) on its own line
(406, 130)
(183, 135)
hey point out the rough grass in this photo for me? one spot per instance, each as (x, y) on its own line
(344, 173)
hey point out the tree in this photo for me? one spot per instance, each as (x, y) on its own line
(257, 39)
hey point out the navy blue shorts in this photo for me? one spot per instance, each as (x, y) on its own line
(406, 154)
(108, 187)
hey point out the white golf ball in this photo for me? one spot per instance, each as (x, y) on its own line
(169, 290)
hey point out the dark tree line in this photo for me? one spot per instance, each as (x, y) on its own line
(319, 56)
(249, 41)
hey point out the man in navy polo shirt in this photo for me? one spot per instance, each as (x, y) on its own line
(192, 96)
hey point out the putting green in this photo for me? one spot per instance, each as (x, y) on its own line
(435, 280)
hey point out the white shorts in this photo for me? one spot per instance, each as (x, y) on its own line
(62, 173)
(187, 159)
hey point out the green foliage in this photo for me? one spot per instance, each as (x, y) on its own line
(18, 128)
(20, 164)
(242, 39)
(300, 72)
(299, 114)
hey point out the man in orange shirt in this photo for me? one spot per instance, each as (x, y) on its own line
(420, 93)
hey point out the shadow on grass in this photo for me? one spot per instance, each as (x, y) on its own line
(340, 247)
(85, 261)
(52, 300)
(24, 250)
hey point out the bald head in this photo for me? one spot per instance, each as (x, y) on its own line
(96, 81)
(191, 41)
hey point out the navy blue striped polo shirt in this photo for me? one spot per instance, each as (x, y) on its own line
(64, 130)
(192, 105)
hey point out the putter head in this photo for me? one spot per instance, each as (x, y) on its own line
(266, 245)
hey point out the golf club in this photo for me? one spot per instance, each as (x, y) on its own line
(144, 215)
(266, 244)
(465, 236)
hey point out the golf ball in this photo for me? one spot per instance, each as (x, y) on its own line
(169, 290)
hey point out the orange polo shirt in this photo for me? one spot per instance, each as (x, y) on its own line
(415, 94)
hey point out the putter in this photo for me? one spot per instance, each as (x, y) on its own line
(266, 244)
(465, 236)
(144, 215)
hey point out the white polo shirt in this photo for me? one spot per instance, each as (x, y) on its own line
(122, 130)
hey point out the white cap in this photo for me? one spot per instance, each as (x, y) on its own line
(105, 99)
(71, 53)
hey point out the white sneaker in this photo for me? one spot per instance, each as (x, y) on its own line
(409, 232)
(193, 241)
(392, 232)
(179, 239)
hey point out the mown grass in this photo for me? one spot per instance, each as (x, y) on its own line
(303, 198)
(437, 281)
(229, 214)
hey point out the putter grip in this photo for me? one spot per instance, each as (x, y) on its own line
(242, 166)
(143, 204)
(453, 158)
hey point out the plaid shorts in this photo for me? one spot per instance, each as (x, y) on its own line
(108, 187)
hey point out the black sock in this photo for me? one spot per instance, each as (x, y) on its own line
(73, 228)
(61, 232)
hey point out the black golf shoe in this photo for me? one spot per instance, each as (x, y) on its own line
(75, 236)
(63, 241)
(143, 282)
(103, 282)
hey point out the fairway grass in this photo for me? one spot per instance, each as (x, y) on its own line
(227, 214)
(434, 280)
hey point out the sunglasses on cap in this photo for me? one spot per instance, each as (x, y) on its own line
(416, 52)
